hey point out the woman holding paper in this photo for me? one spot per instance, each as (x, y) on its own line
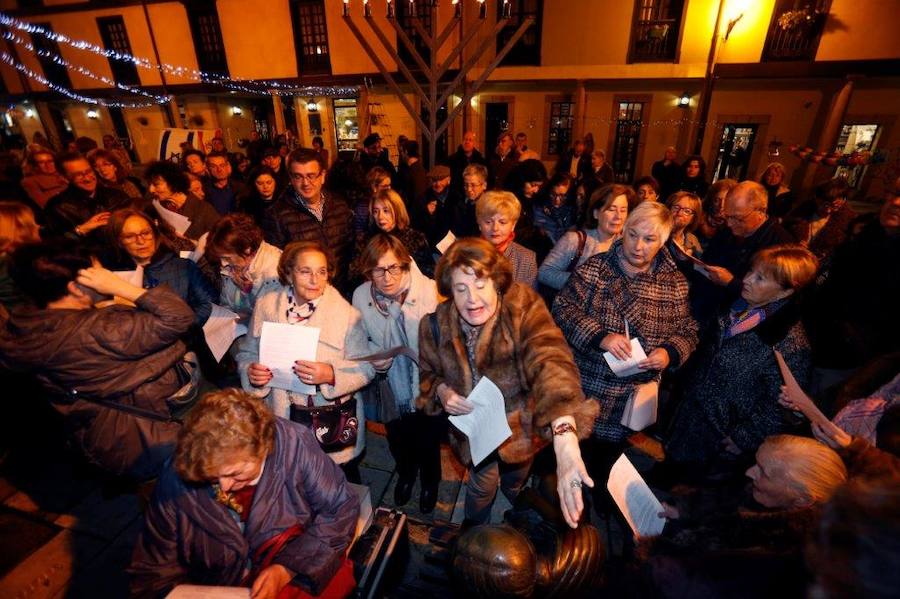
(632, 295)
(393, 302)
(306, 299)
(499, 330)
(731, 392)
(137, 241)
(240, 479)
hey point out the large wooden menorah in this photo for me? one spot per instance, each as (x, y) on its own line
(432, 72)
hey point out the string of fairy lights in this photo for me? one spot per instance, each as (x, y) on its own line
(253, 87)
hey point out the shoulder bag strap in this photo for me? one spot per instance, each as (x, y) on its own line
(582, 241)
(435, 329)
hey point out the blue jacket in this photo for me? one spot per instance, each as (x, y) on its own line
(185, 279)
(190, 538)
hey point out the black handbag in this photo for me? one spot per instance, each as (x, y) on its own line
(335, 426)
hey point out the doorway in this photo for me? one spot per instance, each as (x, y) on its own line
(856, 138)
(496, 121)
(735, 150)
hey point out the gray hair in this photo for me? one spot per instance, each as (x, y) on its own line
(757, 196)
(654, 212)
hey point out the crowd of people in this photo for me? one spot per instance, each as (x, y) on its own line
(419, 284)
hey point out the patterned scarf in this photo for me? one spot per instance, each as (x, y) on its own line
(400, 374)
(299, 313)
(743, 318)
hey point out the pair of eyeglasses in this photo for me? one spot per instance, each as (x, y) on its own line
(133, 237)
(688, 211)
(394, 270)
(308, 178)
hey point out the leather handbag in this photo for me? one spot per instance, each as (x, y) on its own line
(335, 426)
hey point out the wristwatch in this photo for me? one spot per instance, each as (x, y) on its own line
(564, 427)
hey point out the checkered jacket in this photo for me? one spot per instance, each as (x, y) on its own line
(524, 263)
(597, 300)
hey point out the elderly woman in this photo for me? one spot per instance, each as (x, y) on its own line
(111, 173)
(305, 298)
(604, 218)
(714, 209)
(720, 543)
(781, 198)
(498, 329)
(387, 214)
(497, 213)
(138, 244)
(633, 292)
(392, 302)
(687, 212)
(249, 265)
(730, 402)
(241, 479)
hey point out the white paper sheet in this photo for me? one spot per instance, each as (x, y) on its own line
(486, 425)
(640, 411)
(795, 391)
(282, 344)
(177, 221)
(197, 252)
(194, 591)
(135, 277)
(221, 329)
(446, 242)
(627, 367)
(636, 501)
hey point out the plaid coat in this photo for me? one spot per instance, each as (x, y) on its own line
(597, 300)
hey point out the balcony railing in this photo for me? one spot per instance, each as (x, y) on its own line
(654, 41)
(798, 42)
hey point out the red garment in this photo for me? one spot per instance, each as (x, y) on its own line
(244, 498)
(340, 586)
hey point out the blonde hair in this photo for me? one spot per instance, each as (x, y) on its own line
(695, 204)
(392, 199)
(654, 212)
(223, 425)
(791, 266)
(17, 226)
(812, 469)
(498, 202)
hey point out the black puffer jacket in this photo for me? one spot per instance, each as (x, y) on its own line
(287, 220)
(118, 354)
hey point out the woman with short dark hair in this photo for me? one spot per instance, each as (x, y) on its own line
(241, 479)
(111, 173)
(393, 301)
(501, 330)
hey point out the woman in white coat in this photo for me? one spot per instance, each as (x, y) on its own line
(306, 299)
(396, 297)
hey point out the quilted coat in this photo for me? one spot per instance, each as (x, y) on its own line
(597, 301)
(190, 538)
(117, 354)
(524, 354)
